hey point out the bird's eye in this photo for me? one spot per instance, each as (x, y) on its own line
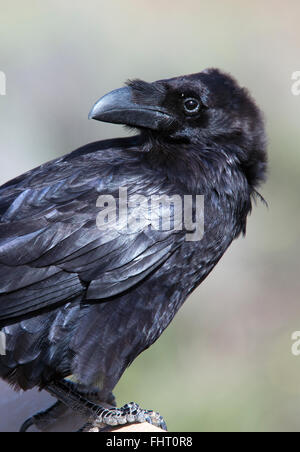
(191, 105)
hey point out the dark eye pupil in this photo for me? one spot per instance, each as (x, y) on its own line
(191, 105)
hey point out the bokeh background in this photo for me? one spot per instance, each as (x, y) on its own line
(225, 363)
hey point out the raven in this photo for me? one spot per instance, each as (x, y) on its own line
(81, 298)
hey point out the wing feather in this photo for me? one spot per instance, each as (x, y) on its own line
(50, 247)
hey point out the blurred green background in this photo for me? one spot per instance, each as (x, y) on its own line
(225, 363)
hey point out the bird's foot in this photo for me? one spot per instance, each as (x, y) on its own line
(45, 419)
(130, 413)
(98, 415)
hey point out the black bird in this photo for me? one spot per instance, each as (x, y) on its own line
(80, 299)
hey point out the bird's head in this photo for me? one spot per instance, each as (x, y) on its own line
(207, 109)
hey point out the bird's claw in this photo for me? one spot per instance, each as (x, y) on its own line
(35, 421)
(45, 419)
(129, 414)
(27, 424)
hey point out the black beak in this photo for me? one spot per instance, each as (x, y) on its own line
(120, 107)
